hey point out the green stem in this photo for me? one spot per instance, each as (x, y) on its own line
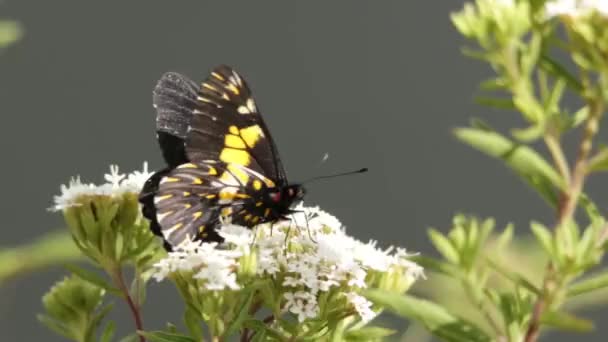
(553, 282)
(119, 282)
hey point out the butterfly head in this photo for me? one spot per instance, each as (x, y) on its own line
(288, 195)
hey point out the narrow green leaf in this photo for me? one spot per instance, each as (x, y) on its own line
(496, 102)
(526, 162)
(55, 326)
(505, 238)
(92, 278)
(261, 328)
(368, 334)
(593, 283)
(494, 84)
(444, 246)
(130, 338)
(161, 336)
(193, 322)
(241, 316)
(556, 69)
(516, 278)
(529, 134)
(599, 162)
(435, 317)
(565, 321)
(108, 332)
(544, 237)
(436, 265)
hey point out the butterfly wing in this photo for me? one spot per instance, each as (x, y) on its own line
(192, 199)
(174, 98)
(227, 126)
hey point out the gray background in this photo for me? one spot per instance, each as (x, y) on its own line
(377, 84)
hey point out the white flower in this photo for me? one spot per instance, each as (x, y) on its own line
(117, 184)
(362, 306)
(114, 178)
(70, 192)
(310, 254)
(575, 8)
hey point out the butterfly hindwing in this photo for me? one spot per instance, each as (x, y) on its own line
(194, 197)
(174, 98)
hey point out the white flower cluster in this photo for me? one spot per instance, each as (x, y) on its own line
(576, 8)
(311, 254)
(117, 184)
(571, 8)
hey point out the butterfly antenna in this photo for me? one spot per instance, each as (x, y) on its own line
(335, 175)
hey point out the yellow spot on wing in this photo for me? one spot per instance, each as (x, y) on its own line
(201, 228)
(210, 196)
(176, 226)
(209, 86)
(237, 172)
(247, 217)
(257, 184)
(186, 194)
(233, 130)
(233, 88)
(218, 76)
(163, 197)
(226, 211)
(251, 135)
(234, 141)
(258, 204)
(197, 214)
(170, 180)
(197, 181)
(266, 212)
(187, 205)
(212, 171)
(255, 220)
(187, 166)
(231, 155)
(269, 182)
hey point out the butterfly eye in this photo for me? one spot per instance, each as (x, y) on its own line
(275, 196)
(291, 192)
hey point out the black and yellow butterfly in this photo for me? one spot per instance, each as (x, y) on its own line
(222, 163)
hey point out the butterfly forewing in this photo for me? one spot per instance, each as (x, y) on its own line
(228, 127)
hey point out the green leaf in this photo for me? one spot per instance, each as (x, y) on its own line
(599, 162)
(526, 162)
(444, 246)
(554, 68)
(529, 134)
(496, 102)
(435, 317)
(565, 321)
(55, 326)
(261, 328)
(436, 265)
(241, 316)
(193, 322)
(544, 237)
(130, 338)
(368, 334)
(161, 336)
(597, 282)
(92, 278)
(516, 278)
(108, 332)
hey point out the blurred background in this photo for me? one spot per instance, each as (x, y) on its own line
(372, 84)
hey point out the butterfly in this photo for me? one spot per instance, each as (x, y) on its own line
(222, 163)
